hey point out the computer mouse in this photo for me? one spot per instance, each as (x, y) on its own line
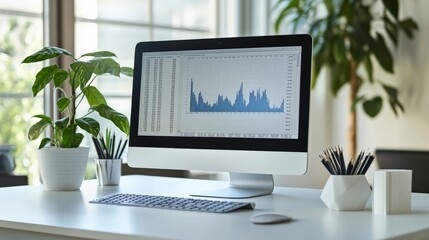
(269, 217)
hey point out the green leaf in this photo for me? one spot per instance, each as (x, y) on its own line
(120, 120)
(347, 10)
(70, 138)
(90, 125)
(408, 26)
(368, 67)
(94, 96)
(318, 27)
(340, 75)
(391, 29)
(297, 22)
(394, 102)
(59, 77)
(43, 78)
(392, 6)
(99, 54)
(358, 41)
(43, 117)
(318, 61)
(339, 49)
(315, 73)
(63, 103)
(362, 32)
(106, 65)
(291, 7)
(82, 73)
(382, 54)
(127, 71)
(37, 129)
(78, 139)
(58, 136)
(62, 123)
(44, 142)
(373, 106)
(409, 23)
(46, 53)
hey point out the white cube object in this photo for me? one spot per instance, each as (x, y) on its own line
(392, 191)
(346, 192)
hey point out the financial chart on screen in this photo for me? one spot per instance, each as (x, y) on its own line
(231, 93)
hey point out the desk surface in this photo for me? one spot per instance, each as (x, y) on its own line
(32, 211)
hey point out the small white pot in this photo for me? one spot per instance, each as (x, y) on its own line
(63, 169)
(346, 192)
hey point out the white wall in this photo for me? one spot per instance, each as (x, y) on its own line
(328, 116)
(411, 130)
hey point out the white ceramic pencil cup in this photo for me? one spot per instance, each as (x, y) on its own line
(346, 192)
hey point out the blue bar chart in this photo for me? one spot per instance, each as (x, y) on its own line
(258, 101)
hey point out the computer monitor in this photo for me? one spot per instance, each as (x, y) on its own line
(237, 105)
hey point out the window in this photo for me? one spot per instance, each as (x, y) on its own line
(21, 33)
(118, 26)
(99, 25)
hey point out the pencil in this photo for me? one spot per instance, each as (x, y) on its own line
(327, 166)
(368, 163)
(333, 160)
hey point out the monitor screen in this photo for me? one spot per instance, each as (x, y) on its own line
(238, 96)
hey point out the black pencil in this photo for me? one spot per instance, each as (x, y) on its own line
(123, 147)
(327, 167)
(362, 164)
(341, 159)
(333, 160)
(356, 163)
(368, 163)
(336, 167)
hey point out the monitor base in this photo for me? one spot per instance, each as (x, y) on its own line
(242, 185)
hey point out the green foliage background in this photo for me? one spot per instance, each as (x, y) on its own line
(349, 33)
(18, 37)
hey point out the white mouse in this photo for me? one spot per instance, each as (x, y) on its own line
(269, 217)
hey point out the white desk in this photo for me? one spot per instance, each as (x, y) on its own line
(29, 212)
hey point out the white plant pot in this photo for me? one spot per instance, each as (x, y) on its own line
(346, 192)
(63, 169)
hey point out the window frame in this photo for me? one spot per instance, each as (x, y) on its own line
(232, 18)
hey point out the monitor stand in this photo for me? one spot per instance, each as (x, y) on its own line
(242, 185)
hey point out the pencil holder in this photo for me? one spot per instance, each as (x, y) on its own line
(108, 171)
(109, 161)
(346, 192)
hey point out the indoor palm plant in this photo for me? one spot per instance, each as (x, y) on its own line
(73, 85)
(349, 37)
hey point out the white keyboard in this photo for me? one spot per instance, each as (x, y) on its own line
(175, 203)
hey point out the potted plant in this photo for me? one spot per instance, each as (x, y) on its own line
(63, 163)
(349, 37)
